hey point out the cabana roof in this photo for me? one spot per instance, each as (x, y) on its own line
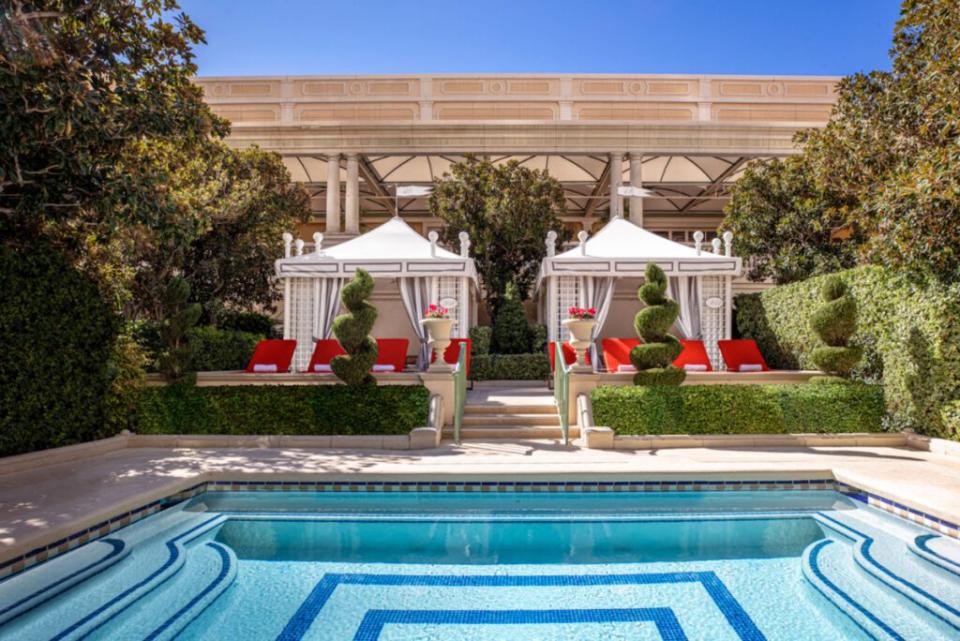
(393, 249)
(622, 248)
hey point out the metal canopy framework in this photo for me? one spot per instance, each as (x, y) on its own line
(680, 184)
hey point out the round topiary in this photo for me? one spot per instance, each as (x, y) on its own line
(353, 332)
(654, 357)
(835, 322)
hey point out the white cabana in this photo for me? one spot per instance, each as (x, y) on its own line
(424, 272)
(586, 276)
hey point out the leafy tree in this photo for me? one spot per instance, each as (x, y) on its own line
(353, 331)
(181, 317)
(891, 150)
(225, 211)
(507, 209)
(511, 329)
(779, 216)
(80, 81)
(654, 357)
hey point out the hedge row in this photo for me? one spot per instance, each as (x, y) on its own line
(740, 409)
(218, 349)
(910, 334)
(510, 367)
(56, 339)
(282, 409)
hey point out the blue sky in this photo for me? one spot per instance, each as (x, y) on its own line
(273, 37)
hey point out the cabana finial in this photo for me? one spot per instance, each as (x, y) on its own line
(698, 240)
(715, 243)
(582, 237)
(432, 237)
(287, 242)
(317, 242)
(728, 243)
(298, 245)
(464, 244)
(551, 243)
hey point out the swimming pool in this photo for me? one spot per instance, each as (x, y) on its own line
(718, 565)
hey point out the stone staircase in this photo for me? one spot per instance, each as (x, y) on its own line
(510, 411)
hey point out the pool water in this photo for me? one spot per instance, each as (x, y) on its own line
(712, 566)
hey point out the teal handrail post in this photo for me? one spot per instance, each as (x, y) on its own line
(459, 392)
(561, 389)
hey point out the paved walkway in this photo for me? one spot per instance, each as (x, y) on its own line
(42, 504)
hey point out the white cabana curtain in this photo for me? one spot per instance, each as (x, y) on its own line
(597, 292)
(327, 302)
(416, 293)
(686, 291)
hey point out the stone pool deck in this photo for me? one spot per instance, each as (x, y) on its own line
(43, 503)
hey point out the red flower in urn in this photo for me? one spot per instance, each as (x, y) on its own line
(582, 313)
(435, 311)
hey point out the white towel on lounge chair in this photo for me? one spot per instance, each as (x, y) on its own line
(322, 367)
(383, 368)
(626, 368)
(695, 367)
(751, 367)
(265, 367)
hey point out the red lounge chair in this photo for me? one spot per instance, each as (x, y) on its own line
(742, 355)
(323, 353)
(694, 357)
(452, 353)
(616, 353)
(271, 356)
(391, 352)
(569, 355)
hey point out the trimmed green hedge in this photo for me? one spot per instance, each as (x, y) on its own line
(739, 409)
(56, 348)
(282, 409)
(910, 334)
(219, 349)
(510, 367)
(950, 415)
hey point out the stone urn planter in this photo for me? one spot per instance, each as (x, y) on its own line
(438, 339)
(581, 335)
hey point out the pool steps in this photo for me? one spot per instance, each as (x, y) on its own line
(926, 546)
(24, 592)
(209, 569)
(887, 559)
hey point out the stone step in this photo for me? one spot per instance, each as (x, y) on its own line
(532, 408)
(511, 419)
(512, 432)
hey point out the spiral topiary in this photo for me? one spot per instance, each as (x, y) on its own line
(654, 357)
(835, 322)
(353, 332)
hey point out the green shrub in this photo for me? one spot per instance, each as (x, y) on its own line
(353, 331)
(510, 367)
(248, 322)
(910, 334)
(511, 330)
(480, 336)
(950, 415)
(654, 357)
(739, 409)
(282, 409)
(215, 349)
(538, 338)
(56, 342)
(835, 322)
(180, 317)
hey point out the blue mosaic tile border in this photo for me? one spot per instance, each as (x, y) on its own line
(730, 608)
(104, 528)
(663, 618)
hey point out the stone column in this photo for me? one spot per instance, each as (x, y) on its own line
(616, 174)
(352, 205)
(333, 193)
(636, 180)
